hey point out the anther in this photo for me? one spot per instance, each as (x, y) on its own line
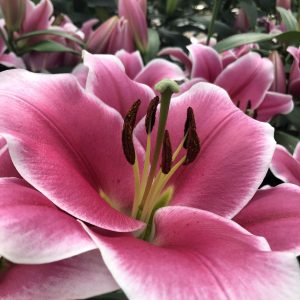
(130, 117)
(238, 104)
(189, 123)
(193, 146)
(129, 123)
(150, 116)
(127, 142)
(166, 159)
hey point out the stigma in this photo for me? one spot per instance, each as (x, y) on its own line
(152, 188)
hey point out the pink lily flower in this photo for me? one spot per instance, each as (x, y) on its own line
(68, 142)
(294, 79)
(286, 166)
(247, 80)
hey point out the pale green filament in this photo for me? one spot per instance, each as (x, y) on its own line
(140, 191)
(166, 88)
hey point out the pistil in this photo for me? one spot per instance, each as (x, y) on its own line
(151, 190)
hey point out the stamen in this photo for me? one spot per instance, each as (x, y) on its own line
(131, 115)
(166, 88)
(166, 155)
(150, 116)
(238, 104)
(193, 146)
(189, 123)
(129, 123)
(127, 142)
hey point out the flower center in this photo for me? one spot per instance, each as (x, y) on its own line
(151, 187)
(249, 111)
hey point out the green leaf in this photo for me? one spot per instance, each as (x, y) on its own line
(249, 8)
(153, 44)
(289, 37)
(50, 32)
(286, 140)
(49, 46)
(288, 19)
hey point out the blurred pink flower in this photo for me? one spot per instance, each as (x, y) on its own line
(279, 83)
(241, 21)
(13, 13)
(284, 3)
(247, 79)
(294, 79)
(286, 166)
(135, 12)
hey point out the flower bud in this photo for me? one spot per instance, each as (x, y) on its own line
(134, 12)
(284, 3)
(241, 21)
(99, 39)
(278, 84)
(13, 12)
(120, 38)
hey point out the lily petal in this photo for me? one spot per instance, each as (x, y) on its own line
(33, 230)
(296, 154)
(221, 256)
(108, 81)
(213, 181)
(79, 277)
(39, 117)
(248, 78)
(157, 70)
(37, 16)
(284, 166)
(7, 168)
(11, 61)
(206, 62)
(178, 54)
(274, 104)
(274, 213)
(132, 62)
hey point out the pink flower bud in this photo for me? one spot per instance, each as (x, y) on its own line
(121, 38)
(284, 3)
(13, 12)
(241, 21)
(134, 12)
(99, 39)
(279, 83)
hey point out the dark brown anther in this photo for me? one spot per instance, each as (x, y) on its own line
(130, 117)
(193, 146)
(127, 142)
(150, 116)
(189, 123)
(166, 154)
(129, 123)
